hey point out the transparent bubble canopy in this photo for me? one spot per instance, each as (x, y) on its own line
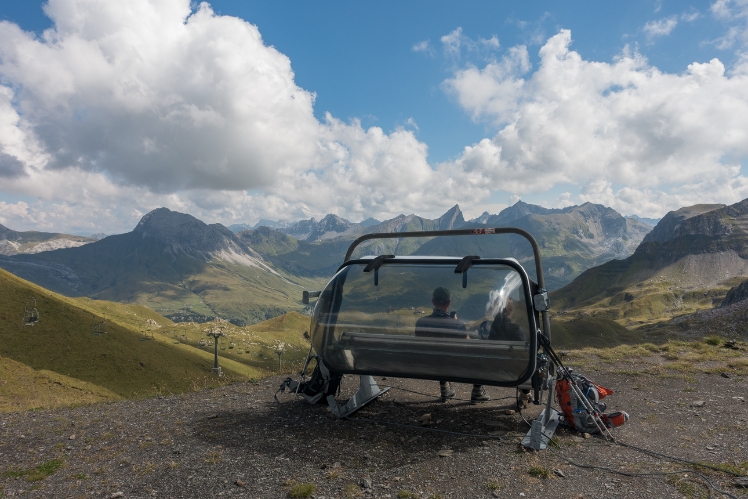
(425, 317)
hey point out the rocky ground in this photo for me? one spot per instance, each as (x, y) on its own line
(237, 441)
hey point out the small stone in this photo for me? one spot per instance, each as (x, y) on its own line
(741, 482)
(494, 493)
(586, 435)
(213, 416)
(426, 418)
(239, 482)
(485, 443)
(72, 437)
(509, 412)
(698, 403)
(116, 495)
(446, 453)
(398, 478)
(558, 472)
(725, 375)
(366, 483)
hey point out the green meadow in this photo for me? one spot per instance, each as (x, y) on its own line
(60, 362)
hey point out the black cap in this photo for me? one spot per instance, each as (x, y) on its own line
(441, 296)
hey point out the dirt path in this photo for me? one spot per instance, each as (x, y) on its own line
(236, 441)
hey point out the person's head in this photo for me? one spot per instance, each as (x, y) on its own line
(508, 309)
(441, 298)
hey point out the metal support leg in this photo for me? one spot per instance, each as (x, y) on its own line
(544, 426)
(367, 391)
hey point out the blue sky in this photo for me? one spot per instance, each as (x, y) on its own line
(396, 109)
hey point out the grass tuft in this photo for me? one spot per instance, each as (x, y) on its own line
(38, 473)
(302, 490)
(352, 490)
(539, 471)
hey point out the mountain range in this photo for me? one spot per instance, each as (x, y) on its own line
(188, 270)
(571, 239)
(173, 263)
(688, 262)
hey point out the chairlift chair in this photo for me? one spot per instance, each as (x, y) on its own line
(98, 327)
(353, 329)
(30, 313)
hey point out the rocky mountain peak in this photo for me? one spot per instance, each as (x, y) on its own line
(451, 219)
(670, 224)
(185, 233)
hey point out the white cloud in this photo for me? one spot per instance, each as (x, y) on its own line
(455, 43)
(735, 13)
(424, 46)
(495, 90)
(137, 105)
(452, 42)
(668, 138)
(124, 107)
(663, 27)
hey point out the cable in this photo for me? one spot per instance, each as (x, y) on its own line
(585, 466)
(673, 458)
(626, 473)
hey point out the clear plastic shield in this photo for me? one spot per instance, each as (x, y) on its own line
(418, 318)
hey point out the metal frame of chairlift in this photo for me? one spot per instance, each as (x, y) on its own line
(544, 426)
(145, 336)
(30, 314)
(99, 327)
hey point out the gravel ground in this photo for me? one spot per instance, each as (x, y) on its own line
(237, 441)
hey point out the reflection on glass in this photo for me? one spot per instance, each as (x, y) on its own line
(419, 321)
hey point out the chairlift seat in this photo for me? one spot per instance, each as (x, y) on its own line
(363, 321)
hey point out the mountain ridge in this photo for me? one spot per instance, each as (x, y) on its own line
(30, 242)
(695, 255)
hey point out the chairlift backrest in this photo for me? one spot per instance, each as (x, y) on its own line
(364, 321)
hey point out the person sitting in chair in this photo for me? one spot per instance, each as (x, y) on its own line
(503, 329)
(442, 324)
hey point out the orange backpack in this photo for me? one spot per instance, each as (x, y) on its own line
(576, 415)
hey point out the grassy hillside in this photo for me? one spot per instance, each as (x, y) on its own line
(87, 367)
(23, 388)
(131, 269)
(255, 345)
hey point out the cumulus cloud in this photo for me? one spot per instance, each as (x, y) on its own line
(124, 107)
(156, 95)
(144, 104)
(670, 139)
(663, 27)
